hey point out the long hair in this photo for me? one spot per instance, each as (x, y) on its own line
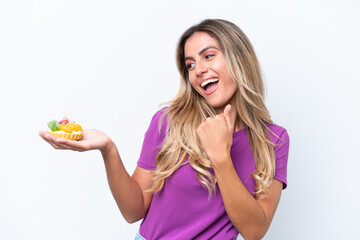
(188, 109)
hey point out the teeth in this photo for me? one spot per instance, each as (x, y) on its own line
(209, 81)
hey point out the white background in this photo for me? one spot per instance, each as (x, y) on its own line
(109, 64)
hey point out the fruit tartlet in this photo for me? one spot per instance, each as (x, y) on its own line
(65, 129)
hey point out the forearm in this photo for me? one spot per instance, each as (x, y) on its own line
(243, 210)
(124, 188)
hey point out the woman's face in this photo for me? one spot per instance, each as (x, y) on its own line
(207, 70)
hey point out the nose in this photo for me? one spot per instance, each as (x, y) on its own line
(201, 68)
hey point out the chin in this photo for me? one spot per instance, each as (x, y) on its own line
(217, 106)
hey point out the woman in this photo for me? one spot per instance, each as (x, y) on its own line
(213, 164)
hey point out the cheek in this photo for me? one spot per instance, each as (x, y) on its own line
(231, 85)
(193, 83)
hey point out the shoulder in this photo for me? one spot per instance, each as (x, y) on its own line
(153, 139)
(160, 113)
(278, 134)
(158, 123)
(159, 116)
(280, 137)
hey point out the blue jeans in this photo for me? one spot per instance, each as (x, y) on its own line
(139, 237)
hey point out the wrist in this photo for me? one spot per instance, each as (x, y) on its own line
(108, 147)
(221, 160)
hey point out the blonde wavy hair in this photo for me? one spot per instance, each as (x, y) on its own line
(188, 109)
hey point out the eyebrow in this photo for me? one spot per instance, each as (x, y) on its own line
(202, 51)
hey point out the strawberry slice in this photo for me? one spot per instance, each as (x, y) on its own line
(64, 121)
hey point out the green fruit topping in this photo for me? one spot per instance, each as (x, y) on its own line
(53, 125)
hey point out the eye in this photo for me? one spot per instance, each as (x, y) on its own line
(209, 56)
(190, 66)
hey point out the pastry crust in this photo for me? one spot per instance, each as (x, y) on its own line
(71, 136)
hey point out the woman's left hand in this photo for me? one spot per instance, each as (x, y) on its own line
(216, 135)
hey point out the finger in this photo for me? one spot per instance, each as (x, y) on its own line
(60, 143)
(230, 116)
(42, 133)
(72, 144)
(47, 137)
(53, 144)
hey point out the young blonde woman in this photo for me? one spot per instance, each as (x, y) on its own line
(213, 164)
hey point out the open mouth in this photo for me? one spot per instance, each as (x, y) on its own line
(210, 85)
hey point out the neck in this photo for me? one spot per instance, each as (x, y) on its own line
(239, 124)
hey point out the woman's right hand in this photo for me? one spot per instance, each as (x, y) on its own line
(92, 139)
